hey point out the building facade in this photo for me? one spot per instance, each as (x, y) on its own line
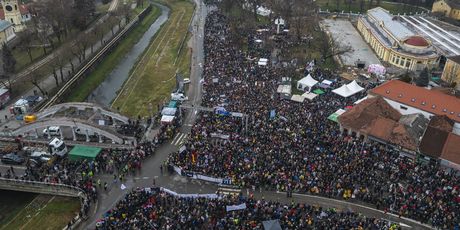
(16, 13)
(451, 72)
(394, 42)
(6, 31)
(449, 9)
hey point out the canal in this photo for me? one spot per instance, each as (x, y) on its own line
(106, 92)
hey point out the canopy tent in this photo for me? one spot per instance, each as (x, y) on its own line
(297, 98)
(309, 96)
(169, 111)
(305, 82)
(348, 90)
(318, 91)
(326, 82)
(80, 152)
(166, 119)
(285, 89)
(335, 115)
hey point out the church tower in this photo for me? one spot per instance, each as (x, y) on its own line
(13, 14)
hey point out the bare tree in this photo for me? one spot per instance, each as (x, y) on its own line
(35, 77)
(9, 65)
(329, 48)
(27, 38)
(59, 63)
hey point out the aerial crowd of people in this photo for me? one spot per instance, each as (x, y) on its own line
(299, 149)
(152, 208)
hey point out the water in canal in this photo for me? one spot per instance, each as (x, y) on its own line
(106, 92)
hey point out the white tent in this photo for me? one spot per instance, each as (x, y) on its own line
(326, 82)
(309, 96)
(286, 89)
(297, 98)
(353, 86)
(305, 82)
(348, 90)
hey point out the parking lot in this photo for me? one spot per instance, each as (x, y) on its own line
(343, 32)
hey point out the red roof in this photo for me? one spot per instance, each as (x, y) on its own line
(416, 41)
(22, 8)
(451, 150)
(431, 101)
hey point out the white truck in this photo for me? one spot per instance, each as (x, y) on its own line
(57, 147)
(178, 97)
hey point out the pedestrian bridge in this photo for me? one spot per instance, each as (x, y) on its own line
(69, 109)
(33, 129)
(41, 187)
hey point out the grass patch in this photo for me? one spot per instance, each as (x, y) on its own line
(9, 207)
(394, 8)
(23, 59)
(152, 79)
(46, 212)
(109, 63)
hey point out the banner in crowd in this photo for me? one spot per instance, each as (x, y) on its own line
(230, 208)
(210, 179)
(207, 196)
(178, 170)
(220, 135)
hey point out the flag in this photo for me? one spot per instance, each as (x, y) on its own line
(194, 157)
(122, 187)
(272, 113)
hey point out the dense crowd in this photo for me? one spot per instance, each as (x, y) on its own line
(299, 149)
(153, 208)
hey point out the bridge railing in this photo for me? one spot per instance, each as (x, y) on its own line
(54, 189)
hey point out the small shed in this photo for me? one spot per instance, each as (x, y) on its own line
(80, 152)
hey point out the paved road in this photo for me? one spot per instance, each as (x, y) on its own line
(151, 166)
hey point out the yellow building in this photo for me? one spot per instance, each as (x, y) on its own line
(16, 13)
(394, 42)
(449, 8)
(451, 71)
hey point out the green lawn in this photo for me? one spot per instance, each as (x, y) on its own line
(45, 212)
(152, 79)
(9, 207)
(394, 8)
(23, 59)
(109, 63)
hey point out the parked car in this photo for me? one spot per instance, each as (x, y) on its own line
(12, 158)
(52, 131)
(186, 80)
(41, 156)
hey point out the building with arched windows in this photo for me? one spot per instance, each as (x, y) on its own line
(395, 42)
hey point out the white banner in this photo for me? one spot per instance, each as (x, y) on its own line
(178, 170)
(210, 179)
(219, 135)
(230, 208)
(208, 196)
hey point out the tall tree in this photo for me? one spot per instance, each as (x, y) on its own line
(83, 12)
(9, 65)
(424, 78)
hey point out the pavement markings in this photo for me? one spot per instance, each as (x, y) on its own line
(179, 139)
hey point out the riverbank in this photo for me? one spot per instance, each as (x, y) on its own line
(93, 80)
(152, 79)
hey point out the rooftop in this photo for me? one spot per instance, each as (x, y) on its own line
(395, 27)
(433, 141)
(431, 101)
(451, 150)
(4, 25)
(455, 59)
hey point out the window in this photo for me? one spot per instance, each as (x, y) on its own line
(413, 99)
(408, 63)
(403, 107)
(12, 20)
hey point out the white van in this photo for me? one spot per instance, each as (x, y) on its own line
(80, 131)
(178, 97)
(52, 131)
